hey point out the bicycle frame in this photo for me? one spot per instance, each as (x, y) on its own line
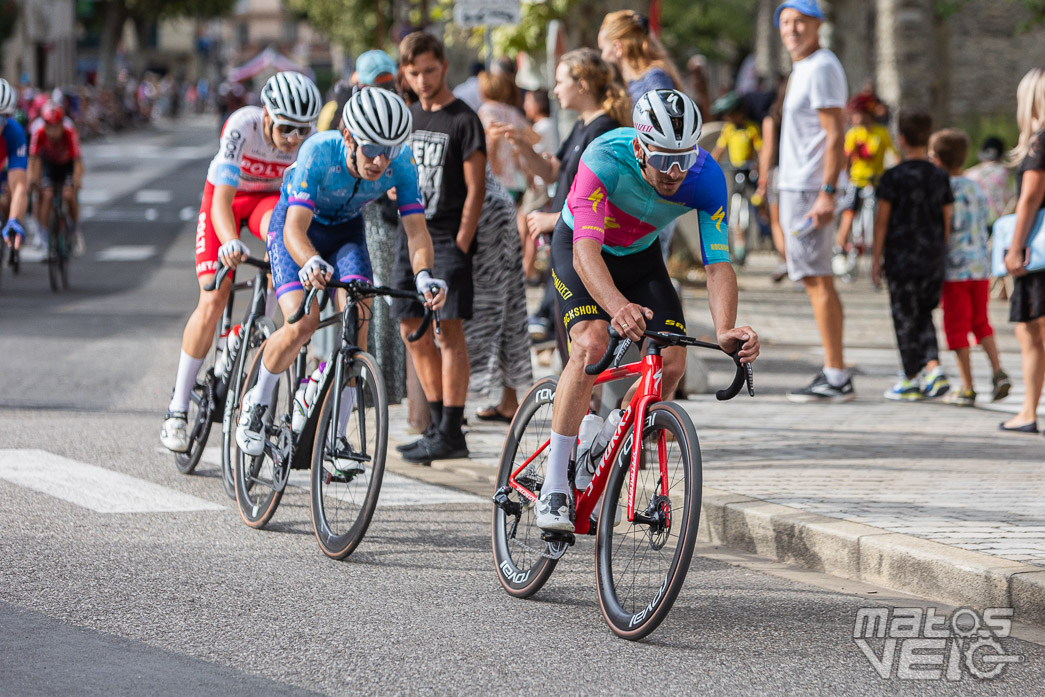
(650, 370)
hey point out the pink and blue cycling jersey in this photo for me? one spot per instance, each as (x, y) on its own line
(611, 202)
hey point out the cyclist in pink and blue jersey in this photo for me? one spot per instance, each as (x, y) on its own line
(14, 196)
(608, 269)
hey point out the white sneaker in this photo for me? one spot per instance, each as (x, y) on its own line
(250, 433)
(349, 463)
(554, 512)
(174, 434)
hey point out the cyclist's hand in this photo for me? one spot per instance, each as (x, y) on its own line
(315, 273)
(745, 338)
(233, 253)
(823, 210)
(630, 320)
(13, 226)
(1014, 263)
(434, 289)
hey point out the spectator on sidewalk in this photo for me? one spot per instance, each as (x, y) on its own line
(811, 159)
(768, 175)
(537, 108)
(1027, 307)
(450, 148)
(499, 98)
(994, 178)
(912, 225)
(966, 284)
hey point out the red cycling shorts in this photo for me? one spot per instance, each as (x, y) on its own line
(247, 208)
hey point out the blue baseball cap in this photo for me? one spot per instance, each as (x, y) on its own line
(372, 64)
(809, 8)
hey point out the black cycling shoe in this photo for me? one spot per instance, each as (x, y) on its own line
(436, 447)
(430, 430)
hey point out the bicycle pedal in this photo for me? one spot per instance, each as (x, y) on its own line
(559, 537)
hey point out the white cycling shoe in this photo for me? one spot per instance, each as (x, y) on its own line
(554, 512)
(250, 433)
(174, 434)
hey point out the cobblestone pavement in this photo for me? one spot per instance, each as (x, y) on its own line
(929, 470)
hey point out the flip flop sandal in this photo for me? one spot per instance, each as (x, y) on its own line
(490, 413)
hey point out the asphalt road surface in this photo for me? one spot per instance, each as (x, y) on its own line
(119, 576)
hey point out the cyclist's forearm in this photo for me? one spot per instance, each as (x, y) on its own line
(295, 235)
(595, 275)
(221, 213)
(418, 242)
(19, 183)
(722, 295)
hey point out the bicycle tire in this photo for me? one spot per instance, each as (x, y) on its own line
(198, 416)
(633, 615)
(525, 570)
(260, 330)
(65, 252)
(342, 510)
(258, 493)
(52, 251)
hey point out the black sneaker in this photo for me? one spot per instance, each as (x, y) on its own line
(430, 430)
(436, 447)
(820, 390)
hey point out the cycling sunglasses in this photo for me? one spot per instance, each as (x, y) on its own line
(664, 161)
(372, 151)
(289, 128)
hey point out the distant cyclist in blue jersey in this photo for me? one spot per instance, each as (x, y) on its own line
(316, 231)
(608, 267)
(14, 158)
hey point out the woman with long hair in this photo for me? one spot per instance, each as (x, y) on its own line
(1027, 306)
(625, 40)
(500, 97)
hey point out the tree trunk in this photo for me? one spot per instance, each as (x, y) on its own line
(115, 17)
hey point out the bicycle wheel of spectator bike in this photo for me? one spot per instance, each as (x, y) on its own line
(260, 330)
(348, 463)
(642, 563)
(260, 480)
(524, 561)
(199, 415)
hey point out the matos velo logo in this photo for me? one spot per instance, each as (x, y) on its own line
(913, 643)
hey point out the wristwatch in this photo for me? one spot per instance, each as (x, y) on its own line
(828, 188)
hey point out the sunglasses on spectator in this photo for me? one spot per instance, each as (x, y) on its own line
(664, 161)
(372, 151)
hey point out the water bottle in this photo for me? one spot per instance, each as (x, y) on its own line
(586, 467)
(806, 227)
(304, 397)
(589, 430)
(231, 344)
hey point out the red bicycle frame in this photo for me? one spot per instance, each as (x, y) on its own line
(650, 369)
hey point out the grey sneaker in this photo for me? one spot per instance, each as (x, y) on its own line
(820, 390)
(250, 433)
(174, 434)
(555, 512)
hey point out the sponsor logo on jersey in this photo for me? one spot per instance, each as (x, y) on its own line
(596, 198)
(261, 169)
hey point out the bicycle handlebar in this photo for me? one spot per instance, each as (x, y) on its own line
(619, 345)
(223, 271)
(363, 290)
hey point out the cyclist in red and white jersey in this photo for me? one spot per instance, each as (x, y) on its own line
(257, 145)
(54, 161)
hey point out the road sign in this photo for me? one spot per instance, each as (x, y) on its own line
(489, 13)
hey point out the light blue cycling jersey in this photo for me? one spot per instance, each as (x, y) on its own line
(611, 202)
(320, 181)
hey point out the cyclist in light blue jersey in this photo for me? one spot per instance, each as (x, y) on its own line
(317, 230)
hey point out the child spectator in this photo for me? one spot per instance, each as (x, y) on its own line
(966, 284)
(866, 144)
(911, 228)
(739, 137)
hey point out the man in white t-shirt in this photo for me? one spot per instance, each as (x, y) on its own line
(811, 159)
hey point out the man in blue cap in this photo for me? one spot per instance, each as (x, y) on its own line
(376, 69)
(811, 159)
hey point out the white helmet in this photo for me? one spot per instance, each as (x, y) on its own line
(8, 98)
(667, 119)
(291, 96)
(378, 116)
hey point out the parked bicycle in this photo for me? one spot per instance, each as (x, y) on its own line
(744, 230)
(845, 264)
(212, 400)
(346, 468)
(647, 526)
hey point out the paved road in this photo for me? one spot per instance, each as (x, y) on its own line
(101, 595)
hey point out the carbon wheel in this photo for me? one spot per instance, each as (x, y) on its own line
(260, 330)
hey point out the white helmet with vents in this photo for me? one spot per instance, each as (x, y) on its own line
(8, 98)
(667, 119)
(378, 116)
(291, 96)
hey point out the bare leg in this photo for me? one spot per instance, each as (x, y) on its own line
(427, 362)
(990, 347)
(1032, 351)
(827, 309)
(964, 367)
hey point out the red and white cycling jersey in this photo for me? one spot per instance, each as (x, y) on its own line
(56, 152)
(245, 160)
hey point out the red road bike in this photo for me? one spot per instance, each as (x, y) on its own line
(646, 531)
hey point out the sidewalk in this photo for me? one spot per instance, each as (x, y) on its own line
(924, 498)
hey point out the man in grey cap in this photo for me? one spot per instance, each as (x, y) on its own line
(811, 159)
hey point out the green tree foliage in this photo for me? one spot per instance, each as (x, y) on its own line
(719, 30)
(358, 25)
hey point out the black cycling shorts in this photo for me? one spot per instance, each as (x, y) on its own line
(54, 174)
(641, 278)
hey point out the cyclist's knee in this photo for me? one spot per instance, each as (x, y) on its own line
(589, 342)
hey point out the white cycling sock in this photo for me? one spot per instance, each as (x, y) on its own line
(557, 476)
(348, 401)
(188, 367)
(263, 388)
(836, 376)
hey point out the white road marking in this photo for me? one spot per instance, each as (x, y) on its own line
(153, 196)
(95, 196)
(396, 490)
(127, 252)
(94, 488)
(151, 214)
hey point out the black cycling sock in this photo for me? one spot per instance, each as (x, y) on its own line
(435, 412)
(451, 423)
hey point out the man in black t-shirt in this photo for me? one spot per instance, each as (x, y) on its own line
(449, 147)
(912, 225)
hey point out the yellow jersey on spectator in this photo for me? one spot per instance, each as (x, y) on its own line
(866, 147)
(741, 142)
